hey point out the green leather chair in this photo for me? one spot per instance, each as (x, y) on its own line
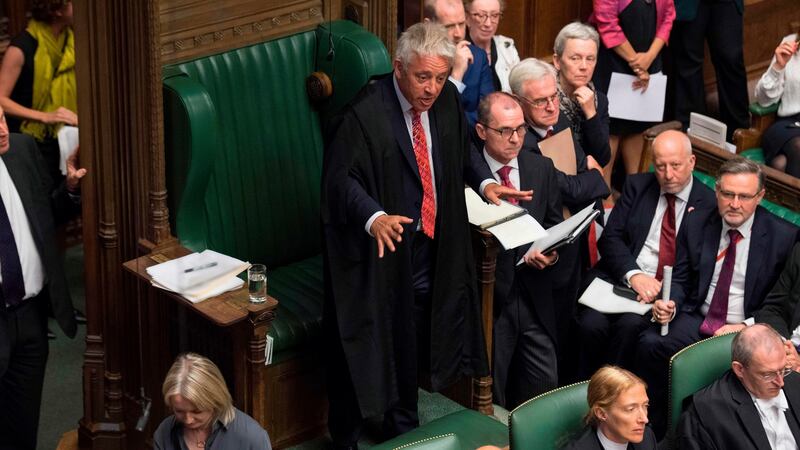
(694, 368)
(447, 441)
(549, 421)
(470, 428)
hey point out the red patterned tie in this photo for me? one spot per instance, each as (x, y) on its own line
(505, 180)
(666, 244)
(424, 166)
(718, 311)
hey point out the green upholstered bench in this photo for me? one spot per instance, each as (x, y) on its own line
(694, 368)
(471, 428)
(244, 161)
(550, 420)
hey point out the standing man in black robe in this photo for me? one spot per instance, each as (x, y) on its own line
(398, 262)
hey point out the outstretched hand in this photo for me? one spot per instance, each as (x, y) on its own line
(494, 192)
(387, 230)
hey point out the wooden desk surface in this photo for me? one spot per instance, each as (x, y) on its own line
(224, 310)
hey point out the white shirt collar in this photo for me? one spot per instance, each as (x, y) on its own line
(495, 165)
(542, 132)
(744, 228)
(766, 403)
(405, 105)
(608, 444)
(684, 193)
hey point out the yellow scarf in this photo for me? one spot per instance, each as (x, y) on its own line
(53, 76)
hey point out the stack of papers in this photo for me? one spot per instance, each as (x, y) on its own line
(600, 296)
(510, 224)
(199, 276)
(564, 233)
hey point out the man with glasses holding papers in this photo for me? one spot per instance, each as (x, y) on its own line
(524, 311)
(727, 260)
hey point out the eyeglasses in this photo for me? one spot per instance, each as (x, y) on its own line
(771, 376)
(481, 17)
(506, 132)
(541, 103)
(730, 196)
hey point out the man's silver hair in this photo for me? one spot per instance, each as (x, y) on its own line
(575, 30)
(759, 337)
(424, 39)
(527, 70)
(739, 165)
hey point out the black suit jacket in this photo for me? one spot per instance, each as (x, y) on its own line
(538, 173)
(723, 416)
(780, 307)
(626, 229)
(578, 190)
(369, 166)
(772, 239)
(594, 132)
(43, 206)
(588, 441)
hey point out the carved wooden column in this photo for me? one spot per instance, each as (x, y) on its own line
(119, 105)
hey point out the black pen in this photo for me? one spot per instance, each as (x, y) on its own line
(204, 266)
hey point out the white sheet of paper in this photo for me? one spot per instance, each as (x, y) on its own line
(67, 143)
(600, 296)
(558, 231)
(625, 103)
(479, 212)
(520, 231)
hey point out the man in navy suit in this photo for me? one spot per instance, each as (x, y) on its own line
(524, 310)
(727, 261)
(644, 221)
(534, 82)
(400, 284)
(32, 283)
(471, 73)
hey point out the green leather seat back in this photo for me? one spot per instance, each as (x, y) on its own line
(447, 441)
(551, 420)
(244, 157)
(754, 154)
(695, 367)
(472, 428)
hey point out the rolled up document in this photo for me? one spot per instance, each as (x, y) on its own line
(666, 282)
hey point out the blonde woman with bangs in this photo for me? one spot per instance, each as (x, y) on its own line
(203, 412)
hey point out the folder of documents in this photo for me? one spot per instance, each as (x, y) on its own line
(510, 224)
(199, 276)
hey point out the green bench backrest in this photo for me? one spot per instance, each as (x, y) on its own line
(256, 194)
(549, 421)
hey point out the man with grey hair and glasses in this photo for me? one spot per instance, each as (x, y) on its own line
(754, 405)
(400, 284)
(727, 260)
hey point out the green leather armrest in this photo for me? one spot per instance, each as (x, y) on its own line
(550, 420)
(759, 110)
(190, 138)
(695, 367)
(472, 428)
(447, 441)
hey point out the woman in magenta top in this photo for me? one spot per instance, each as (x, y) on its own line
(633, 32)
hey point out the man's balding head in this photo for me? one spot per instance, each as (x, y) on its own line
(500, 114)
(758, 360)
(450, 14)
(673, 160)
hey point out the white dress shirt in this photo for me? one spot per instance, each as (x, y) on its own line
(781, 85)
(494, 166)
(736, 291)
(608, 444)
(32, 268)
(647, 260)
(772, 413)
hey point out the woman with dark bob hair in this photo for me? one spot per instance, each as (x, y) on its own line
(617, 417)
(203, 412)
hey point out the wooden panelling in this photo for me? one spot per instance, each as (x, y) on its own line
(534, 24)
(194, 28)
(378, 16)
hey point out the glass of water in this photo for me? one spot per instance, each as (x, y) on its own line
(257, 283)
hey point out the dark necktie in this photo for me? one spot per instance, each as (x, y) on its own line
(718, 311)
(13, 283)
(548, 133)
(666, 244)
(505, 180)
(428, 213)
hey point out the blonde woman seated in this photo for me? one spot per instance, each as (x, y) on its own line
(617, 417)
(203, 413)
